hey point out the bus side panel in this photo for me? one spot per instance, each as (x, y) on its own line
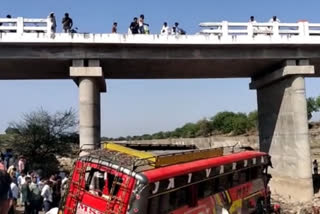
(231, 200)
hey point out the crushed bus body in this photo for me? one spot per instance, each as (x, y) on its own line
(121, 180)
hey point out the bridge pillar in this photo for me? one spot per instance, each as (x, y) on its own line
(283, 129)
(91, 83)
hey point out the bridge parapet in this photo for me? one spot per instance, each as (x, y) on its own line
(252, 29)
(24, 30)
(22, 25)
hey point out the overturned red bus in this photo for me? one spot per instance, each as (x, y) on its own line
(120, 180)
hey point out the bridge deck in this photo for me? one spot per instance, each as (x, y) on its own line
(223, 50)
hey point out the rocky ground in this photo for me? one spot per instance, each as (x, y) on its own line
(298, 208)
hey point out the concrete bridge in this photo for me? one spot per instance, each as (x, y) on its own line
(276, 56)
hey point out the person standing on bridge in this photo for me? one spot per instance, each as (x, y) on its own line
(67, 23)
(274, 19)
(134, 26)
(252, 20)
(53, 23)
(114, 27)
(141, 24)
(165, 29)
(176, 30)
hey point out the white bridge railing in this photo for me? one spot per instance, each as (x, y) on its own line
(40, 30)
(252, 29)
(22, 25)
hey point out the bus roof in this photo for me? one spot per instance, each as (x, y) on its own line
(184, 168)
(157, 167)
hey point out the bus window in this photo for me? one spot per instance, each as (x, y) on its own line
(102, 183)
(244, 176)
(153, 205)
(206, 188)
(114, 184)
(95, 181)
(255, 172)
(170, 201)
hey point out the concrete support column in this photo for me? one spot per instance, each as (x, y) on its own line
(89, 113)
(283, 129)
(91, 82)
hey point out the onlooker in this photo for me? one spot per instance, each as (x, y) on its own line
(67, 23)
(53, 23)
(15, 195)
(274, 19)
(12, 171)
(7, 157)
(41, 183)
(252, 20)
(56, 192)
(5, 192)
(114, 27)
(10, 24)
(315, 167)
(21, 164)
(134, 26)
(54, 210)
(2, 166)
(165, 30)
(36, 198)
(21, 179)
(141, 24)
(46, 193)
(26, 196)
(177, 30)
(146, 28)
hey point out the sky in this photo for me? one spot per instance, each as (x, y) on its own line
(134, 107)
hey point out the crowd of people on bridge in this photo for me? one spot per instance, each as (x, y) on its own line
(25, 188)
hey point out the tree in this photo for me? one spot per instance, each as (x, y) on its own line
(204, 128)
(222, 121)
(41, 136)
(253, 119)
(313, 105)
(240, 124)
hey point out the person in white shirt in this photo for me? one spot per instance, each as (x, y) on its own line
(46, 193)
(53, 211)
(15, 195)
(274, 19)
(165, 30)
(141, 24)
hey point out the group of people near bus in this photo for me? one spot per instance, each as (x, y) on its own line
(29, 190)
